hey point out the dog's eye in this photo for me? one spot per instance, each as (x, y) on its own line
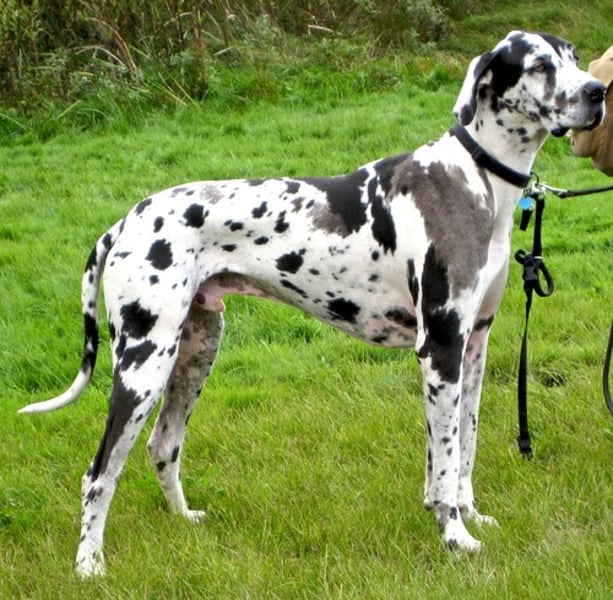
(540, 67)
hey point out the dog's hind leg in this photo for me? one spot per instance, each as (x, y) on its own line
(196, 354)
(142, 366)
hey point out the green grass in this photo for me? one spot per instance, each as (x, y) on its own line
(307, 447)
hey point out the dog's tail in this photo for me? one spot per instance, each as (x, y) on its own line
(90, 288)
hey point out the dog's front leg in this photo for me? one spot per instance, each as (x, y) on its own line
(440, 355)
(472, 380)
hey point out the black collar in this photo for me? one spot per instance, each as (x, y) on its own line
(482, 158)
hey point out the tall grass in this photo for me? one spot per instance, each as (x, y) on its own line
(56, 48)
(83, 64)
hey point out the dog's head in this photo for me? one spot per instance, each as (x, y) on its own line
(537, 76)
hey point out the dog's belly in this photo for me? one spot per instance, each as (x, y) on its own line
(378, 318)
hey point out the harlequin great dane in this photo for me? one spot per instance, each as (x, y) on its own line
(411, 250)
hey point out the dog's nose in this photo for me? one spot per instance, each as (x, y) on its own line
(595, 91)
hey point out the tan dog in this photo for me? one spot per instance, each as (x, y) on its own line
(598, 143)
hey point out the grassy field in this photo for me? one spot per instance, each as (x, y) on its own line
(307, 447)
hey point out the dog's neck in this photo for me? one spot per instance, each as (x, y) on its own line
(514, 146)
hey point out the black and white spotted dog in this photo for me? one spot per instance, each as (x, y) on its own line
(411, 250)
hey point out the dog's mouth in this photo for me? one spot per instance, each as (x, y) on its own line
(562, 131)
(559, 131)
(597, 120)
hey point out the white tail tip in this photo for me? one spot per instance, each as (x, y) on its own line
(70, 395)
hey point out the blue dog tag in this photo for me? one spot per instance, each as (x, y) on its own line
(526, 203)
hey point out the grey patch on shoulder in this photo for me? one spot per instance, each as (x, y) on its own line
(326, 220)
(444, 197)
(297, 203)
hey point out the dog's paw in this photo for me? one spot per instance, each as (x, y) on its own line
(90, 564)
(484, 520)
(194, 516)
(472, 516)
(457, 539)
(428, 504)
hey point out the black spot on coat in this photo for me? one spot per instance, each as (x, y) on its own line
(194, 216)
(386, 169)
(141, 206)
(260, 211)
(91, 343)
(281, 225)
(290, 286)
(122, 406)
(344, 194)
(107, 241)
(160, 255)
(137, 321)
(342, 309)
(402, 317)
(413, 282)
(383, 229)
(444, 341)
(92, 260)
(137, 355)
(293, 187)
(290, 262)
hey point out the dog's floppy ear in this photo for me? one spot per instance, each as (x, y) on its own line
(466, 104)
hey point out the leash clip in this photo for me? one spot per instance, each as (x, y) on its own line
(531, 266)
(535, 192)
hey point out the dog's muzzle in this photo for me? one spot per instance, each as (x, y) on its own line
(595, 93)
(592, 94)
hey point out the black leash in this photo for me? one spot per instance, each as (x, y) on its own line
(534, 199)
(605, 372)
(562, 193)
(533, 266)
